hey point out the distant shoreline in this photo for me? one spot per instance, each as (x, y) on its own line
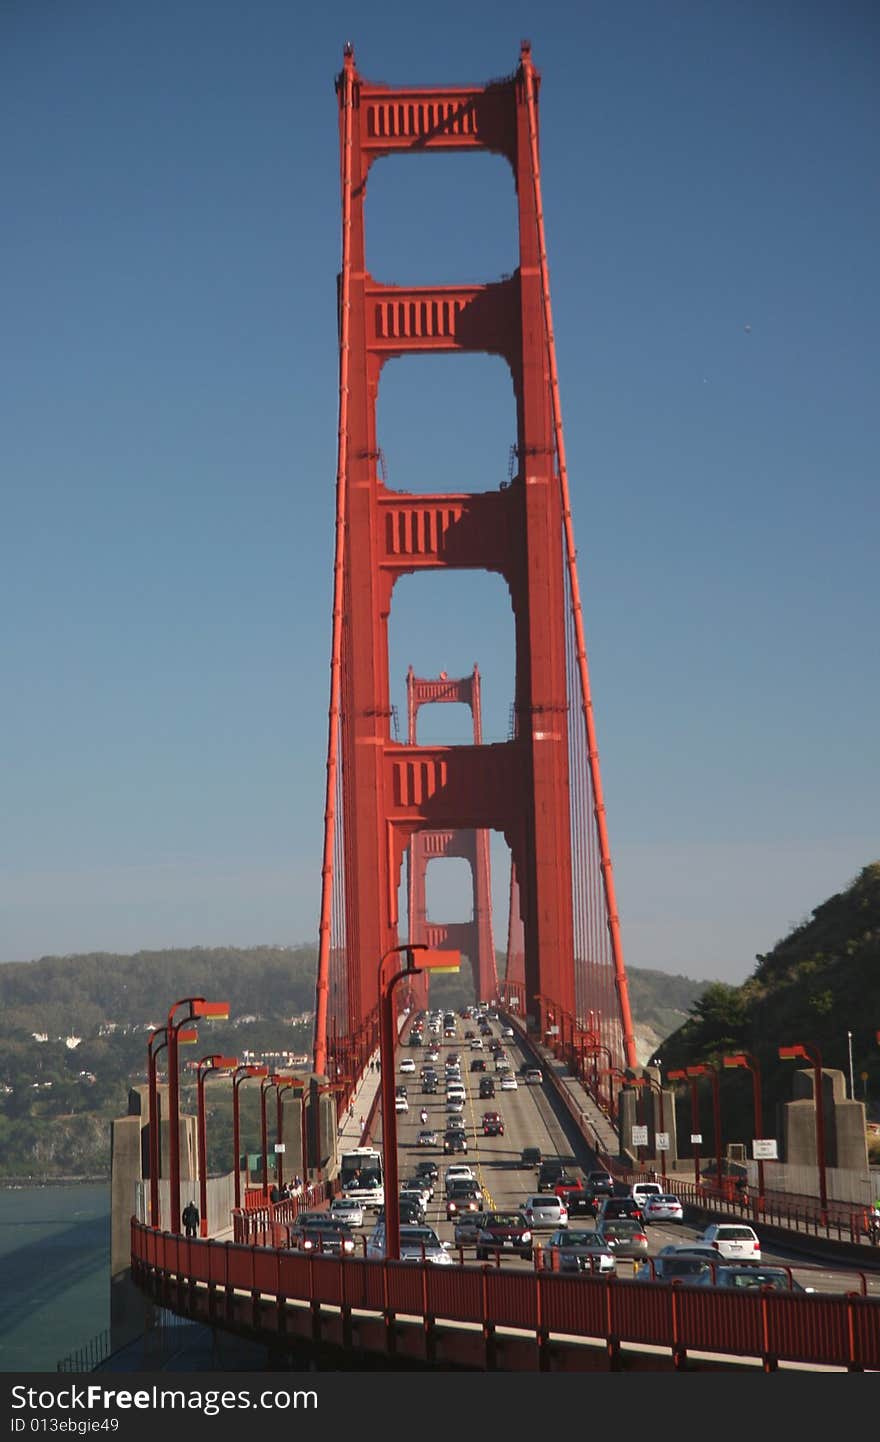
(15, 1184)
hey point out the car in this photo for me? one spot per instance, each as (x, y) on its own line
(502, 1065)
(477, 1044)
(478, 1064)
(665, 1208)
(531, 1157)
(625, 1236)
(407, 1064)
(416, 1196)
(432, 1054)
(401, 1104)
(330, 1239)
(420, 1183)
(454, 1141)
(507, 1031)
(454, 1105)
(463, 1197)
(572, 1250)
(453, 1059)
(544, 1212)
(429, 1170)
(549, 1173)
(734, 1241)
(509, 1082)
(574, 1194)
(348, 1211)
(612, 1207)
(534, 1076)
(601, 1184)
(427, 1138)
(492, 1124)
(458, 1172)
(410, 1212)
(429, 1086)
(504, 1232)
(487, 1088)
(749, 1276)
(470, 1034)
(417, 1244)
(465, 1227)
(641, 1190)
(676, 1265)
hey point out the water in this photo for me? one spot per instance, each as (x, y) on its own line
(54, 1273)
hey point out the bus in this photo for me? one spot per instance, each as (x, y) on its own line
(362, 1177)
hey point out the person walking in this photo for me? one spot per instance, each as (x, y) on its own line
(190, 1219)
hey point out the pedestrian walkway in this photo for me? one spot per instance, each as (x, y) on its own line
(353, 1121)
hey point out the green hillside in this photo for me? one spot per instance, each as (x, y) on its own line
(816, 985)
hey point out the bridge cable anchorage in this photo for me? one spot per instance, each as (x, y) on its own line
(571, 554)
(327, 869)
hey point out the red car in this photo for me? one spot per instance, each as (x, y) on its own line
(492, 1124)
(573, 1193)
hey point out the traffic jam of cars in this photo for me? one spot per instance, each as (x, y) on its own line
(470, 1193)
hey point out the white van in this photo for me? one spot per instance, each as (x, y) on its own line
(640, 1190)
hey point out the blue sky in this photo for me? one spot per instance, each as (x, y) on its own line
(168, 258)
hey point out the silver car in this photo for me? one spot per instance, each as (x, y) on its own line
(544, 1210)
(624, 1236)
(347, 1211)
(417, 1244)
(573, 1250)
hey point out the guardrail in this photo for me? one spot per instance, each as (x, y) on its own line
(351, 1302)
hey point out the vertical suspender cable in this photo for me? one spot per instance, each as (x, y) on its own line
(323, 982)
(607, 877)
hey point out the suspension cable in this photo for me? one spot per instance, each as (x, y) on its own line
(571, 557)
(322, 986)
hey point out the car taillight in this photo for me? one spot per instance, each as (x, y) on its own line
(307, 1245)
(526, 1237)
(348, 1246)
(640, 1237)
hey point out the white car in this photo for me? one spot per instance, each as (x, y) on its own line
(407, 1064)
(401, 1104)
(476, 1043)
(662, 1209)
(416, 1244)
(507, 1031)
(458, 1172)
(454, 1106)
(542, 1209)
(509, 1082)
(733, 1240)
(347, 1210)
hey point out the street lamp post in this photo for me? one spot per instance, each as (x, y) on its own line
(711, 1071)
(428, 959)
(241, 1073)
(224, 1065)
(746, 1060)
(157, 1042)
(681, 1075)
(196, 1007)
(297, 1086)
(811, 1053)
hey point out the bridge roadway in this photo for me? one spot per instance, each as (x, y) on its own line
(533, 1117)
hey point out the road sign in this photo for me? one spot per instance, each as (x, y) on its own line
(640, 1136)
(663, 1141)
(279, 1146)
(696, 1139)
(764, 1149)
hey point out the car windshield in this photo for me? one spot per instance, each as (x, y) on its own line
(579, 1239)
(683, 1266)
(758, 1278)
(504, 1219)
(734, 1234)
(419, 1236)
(621, 1229)
(667, 1201)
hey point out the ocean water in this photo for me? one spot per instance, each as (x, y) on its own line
(54, 1273)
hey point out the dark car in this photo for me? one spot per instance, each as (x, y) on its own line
(492, 1124)
(504, 1232)
(331, 1238)
(549, 1176)
(531, 1157)
(675, 1266)
(601, 1184)
(427, 1169)
(478, 1064)
(463, 1196)
(758, 1277)
(454, 1141)
(410, 1212)
(613, 1207)
(487, 1087)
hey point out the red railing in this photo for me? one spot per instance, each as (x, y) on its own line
(255, 1286)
